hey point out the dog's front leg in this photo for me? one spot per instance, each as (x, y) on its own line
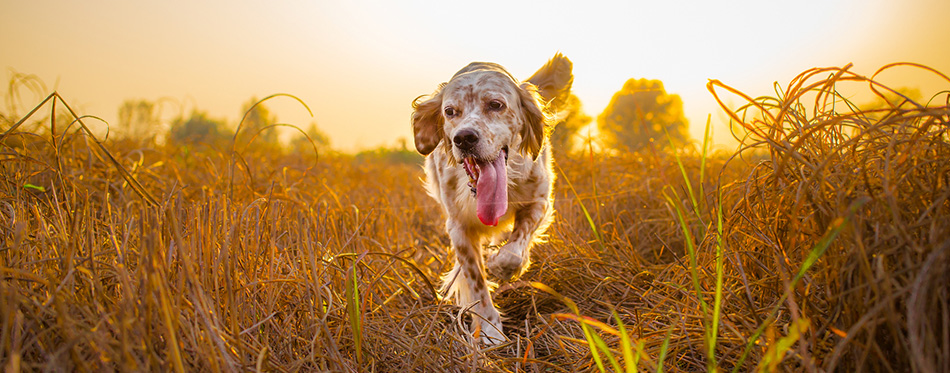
(468, 282)
(513, 259)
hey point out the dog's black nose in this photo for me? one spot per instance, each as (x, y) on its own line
(465, 139)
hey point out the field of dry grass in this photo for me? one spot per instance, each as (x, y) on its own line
(822, 245)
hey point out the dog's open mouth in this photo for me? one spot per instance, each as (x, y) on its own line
(489, 182)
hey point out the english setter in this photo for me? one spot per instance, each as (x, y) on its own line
(485, 126)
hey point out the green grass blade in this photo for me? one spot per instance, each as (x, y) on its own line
(776, 352)
(629, 361)
(663, 349)
(707, 140)
(595, 343)
(713, 336)
(352, 293)
(636, 358)
(590, 220)
(689, 185)
(690, 247)
(34, 187)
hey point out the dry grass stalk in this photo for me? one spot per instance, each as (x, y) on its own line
(252, 275)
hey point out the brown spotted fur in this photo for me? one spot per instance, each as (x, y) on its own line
(523, 126)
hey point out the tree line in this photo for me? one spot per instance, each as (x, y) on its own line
(142, 119)
(640, 115)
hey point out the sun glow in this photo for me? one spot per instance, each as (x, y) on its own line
(358, 65)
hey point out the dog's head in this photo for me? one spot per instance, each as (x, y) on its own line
(483, 110)
(481, 114)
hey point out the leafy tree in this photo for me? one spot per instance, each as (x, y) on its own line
(139, 119)
(639, 113)
(198, 129)
(256, 118)
(320, 139)
(562, 138)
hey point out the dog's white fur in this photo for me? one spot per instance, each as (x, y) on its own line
(504, 114)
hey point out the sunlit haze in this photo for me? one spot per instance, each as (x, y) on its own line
(358, 65)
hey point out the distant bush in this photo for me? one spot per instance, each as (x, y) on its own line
(139, 119)
(399, 154)
(198, 128)
(318, 140)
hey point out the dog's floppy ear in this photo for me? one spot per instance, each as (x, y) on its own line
(543, 95)
(554, 81)
(427, 122)
(535, 119)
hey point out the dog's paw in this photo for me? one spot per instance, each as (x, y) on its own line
(491, 335)
(505, 265)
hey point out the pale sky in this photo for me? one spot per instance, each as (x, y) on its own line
(359, 64)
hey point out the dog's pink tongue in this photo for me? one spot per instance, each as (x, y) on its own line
(492, 191)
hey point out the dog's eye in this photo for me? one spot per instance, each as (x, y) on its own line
(450, 111)
(496, 105)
